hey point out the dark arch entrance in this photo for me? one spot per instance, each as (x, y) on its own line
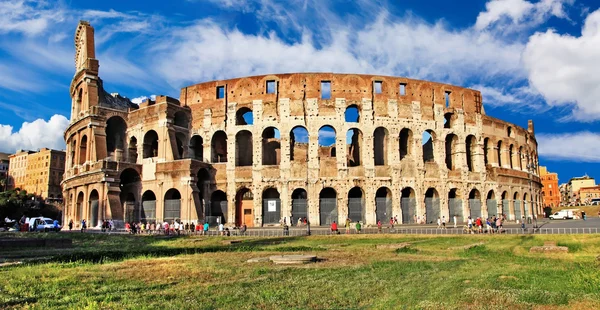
(455, 206)
(217, 212)
(271, 206)
(148, 206)
(79, 207)
(492, 204)
(172, 210)
(94, 201)
(116, 137)
(328, 212)
(475, 204)
(432, 205)
(408, 204)
(356, 205)
(383, 204)
(517, 207)
(244, 212)
(130, 184)
(505, 203)
(150, 144)
(299, 204)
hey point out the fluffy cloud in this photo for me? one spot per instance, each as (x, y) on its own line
(566, 69)
(34, 135)
(27, 17)
(513, 15)
(581, 146)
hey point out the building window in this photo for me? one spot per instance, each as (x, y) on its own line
(220, 92)
(271, 87)
(325, 90)
(402, 89)
(377, 87)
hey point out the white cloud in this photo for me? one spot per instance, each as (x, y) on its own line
(577, 147)
(138, 100)
(513, 15)
(34, 135)
(566, 69)
(28, 17)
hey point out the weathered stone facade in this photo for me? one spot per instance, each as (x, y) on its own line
(200, 158)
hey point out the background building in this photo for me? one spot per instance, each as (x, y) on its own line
(39, 173)
(586, 194)
(550, 190)
(4, 161)
(575, 185)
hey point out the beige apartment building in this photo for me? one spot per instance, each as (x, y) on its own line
(39, 173)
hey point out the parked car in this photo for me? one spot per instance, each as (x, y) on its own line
(43, 224)
(562, 215)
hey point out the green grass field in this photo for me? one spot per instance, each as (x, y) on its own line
(142, 272)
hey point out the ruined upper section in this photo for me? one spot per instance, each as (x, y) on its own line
(113, 101)
(85, 51)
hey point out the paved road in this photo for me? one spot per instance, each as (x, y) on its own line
(593, 222)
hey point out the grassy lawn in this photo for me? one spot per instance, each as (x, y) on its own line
(353, 274)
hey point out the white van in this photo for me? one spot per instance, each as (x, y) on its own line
(562, 215)
(42, 224)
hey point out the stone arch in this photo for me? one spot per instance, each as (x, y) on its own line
(428, 145)
(172, 202)
(218, 147)
(328, 211)
(406, 143)
(79, 207)
(83, 150)
(380, 146)
(299, 144)
(470, 148)
(179, 138)
(244, 207)
(432, 205)
(455, 206)
(132, 155)
(486, 151)
(150, 144)
(271, 146)
(73, 152)
(197, 147)
(448, 120)
(94, 208)
(510, 155)
(499, 151)
(116, 137)
(180, 119)
(148, 212)
(299, 204)
(271, 206)
(243, 148)
(356, 204)
(327, 141)
(244, 116)
(408, 204)
(203, 184)
(130, 185)
(354, 139)
(475, 203)
(217, 210)
(383, 204)
(492, 204)
(451, 151)
(352, 114)
(517, 206)
(520, 157)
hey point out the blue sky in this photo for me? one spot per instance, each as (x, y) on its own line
(533, 59)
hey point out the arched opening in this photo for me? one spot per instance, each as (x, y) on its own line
(79, 208)
(510, 155)
(180, 119)
(356, 205)
(271, 206)
(132, 155)
(73, 150)
(203, 184)
(326, 142)
(520, 157)
(486, 146)
(94, 208)
(492, 204)
(380, 146)
(172, 205)
(451, 151)
(408, 204)
(448, 120)
(428, 146)
(243, 148)
(179, 138)
(517, 207)
(299, 204)
(354, 140)
(116, 137)
(470, 146)
(244, 213)
(218, 147)
(83, 150)
(475, 203)
(197, 147)
(432, 205)
(271, 146)
(499, 154)
(383, 205)
(299, 144)
(130, 184)
(78, 107)
(509, 131)
(352, 115)
(244, 116)
(217, 212)
(526, 206)
(328, 212)
(150, 144)
(505, 203)
(405, 143)
(148, 212)
(455, 206)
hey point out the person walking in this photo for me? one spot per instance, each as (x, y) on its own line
(391, 223)
(347, 225)
(444, 222)
(334, 227)
(83, 225)
(439, 223)
(358, 227)
(379, 226)
(70, 225)
(454, 219)
(205, 228)
(307, 223)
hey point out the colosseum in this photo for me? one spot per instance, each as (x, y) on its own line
(263, 149)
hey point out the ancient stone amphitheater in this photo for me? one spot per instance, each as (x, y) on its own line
(257, 150)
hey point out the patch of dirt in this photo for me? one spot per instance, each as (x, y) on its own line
(508, 278)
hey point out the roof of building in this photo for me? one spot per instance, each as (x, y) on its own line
(4, 156)
(585, 177)
(591, 187)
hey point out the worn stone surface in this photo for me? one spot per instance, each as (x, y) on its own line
(394, 246)
(549, 247)
(293, 259)
(259, 260)
(466, 247)
(203, 152)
